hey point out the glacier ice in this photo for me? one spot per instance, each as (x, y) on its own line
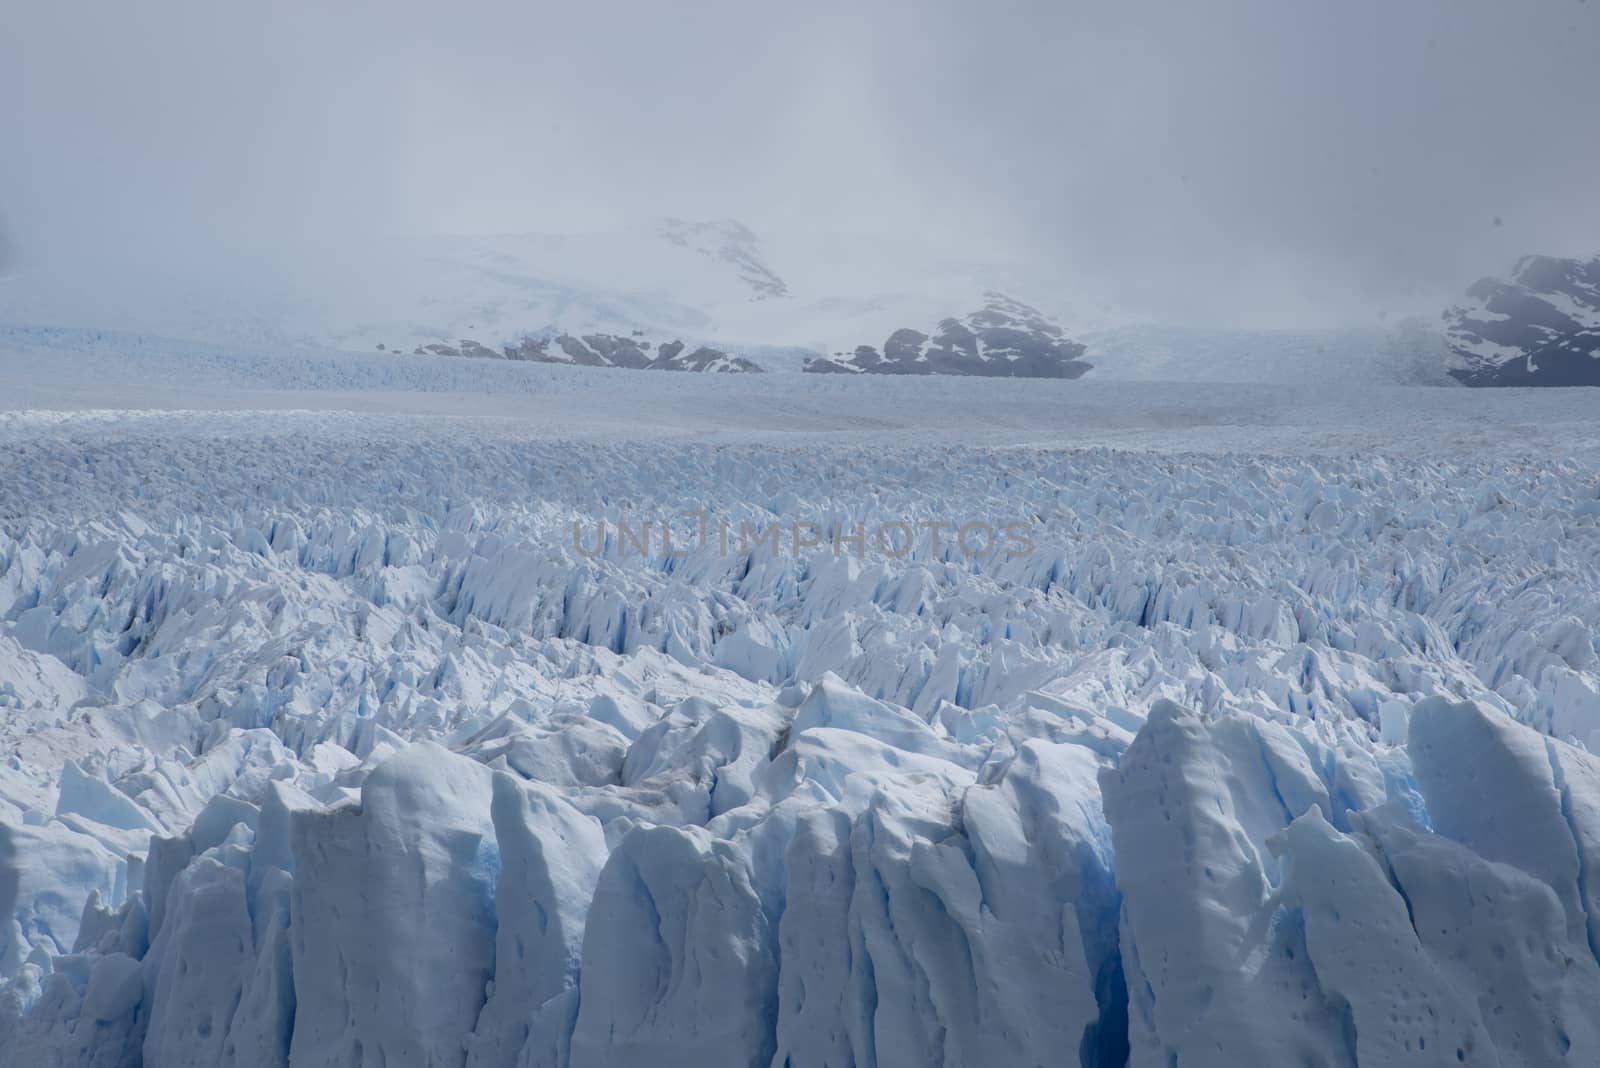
(325, 745)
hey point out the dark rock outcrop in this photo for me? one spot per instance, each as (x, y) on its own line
(703, 358)
(601, 350)
(731, 243)
(465, 347)
(1003, 339)
(1541, 328)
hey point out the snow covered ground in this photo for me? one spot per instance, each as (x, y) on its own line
(346, 718)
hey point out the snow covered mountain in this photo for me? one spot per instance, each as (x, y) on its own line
(673, 284)
(713, 295)
(1003, 339)
(600, 350)
(689, 296)
(1541, 328)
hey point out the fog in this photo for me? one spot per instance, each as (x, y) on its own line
(1253, 162)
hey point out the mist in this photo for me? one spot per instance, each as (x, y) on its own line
(1248, 162)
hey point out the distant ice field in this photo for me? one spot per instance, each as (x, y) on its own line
(70, 370)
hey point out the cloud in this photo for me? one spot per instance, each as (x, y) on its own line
(1252, 161)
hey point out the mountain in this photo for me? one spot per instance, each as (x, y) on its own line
(1005, 338)
(601, 350)
(710, 295)
(684, 295)
(671, 289)
(1541, 328)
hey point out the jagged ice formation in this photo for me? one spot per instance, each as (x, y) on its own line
(335, 740)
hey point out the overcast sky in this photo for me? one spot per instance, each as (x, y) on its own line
(1239, 160)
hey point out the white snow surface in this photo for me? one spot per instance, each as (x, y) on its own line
(334, 735)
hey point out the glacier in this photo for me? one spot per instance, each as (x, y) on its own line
(326, 743)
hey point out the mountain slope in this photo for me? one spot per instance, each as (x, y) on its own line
(601, 350)
(1005, 338)
(1541, 328)
(717, 288)
(673, 283)
(691, 296)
